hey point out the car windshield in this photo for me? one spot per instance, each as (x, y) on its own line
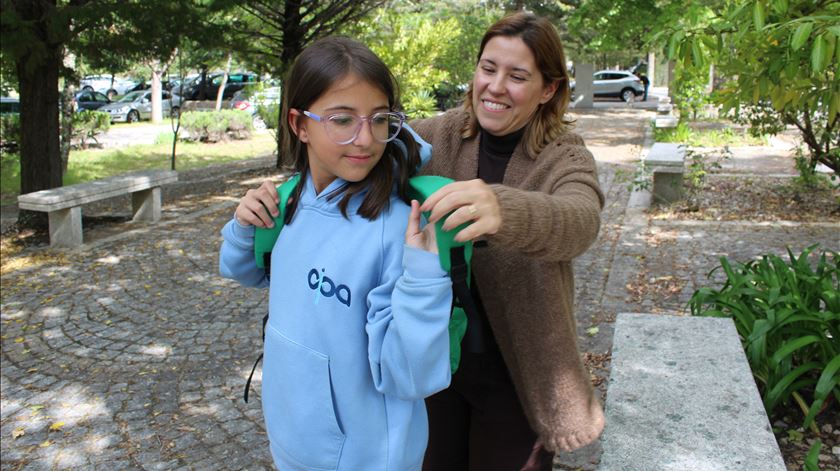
(131, 97)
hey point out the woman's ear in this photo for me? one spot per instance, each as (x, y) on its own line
(296, 126)
(548, 91)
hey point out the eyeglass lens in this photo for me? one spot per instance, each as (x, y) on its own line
(344, 128)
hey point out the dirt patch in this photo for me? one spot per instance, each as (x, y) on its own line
(755, 198)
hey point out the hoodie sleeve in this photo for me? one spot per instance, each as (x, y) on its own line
(236, 257)
(408, 323)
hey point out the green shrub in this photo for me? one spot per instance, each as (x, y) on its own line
(788, 317)
(87, 124)
(9, 130)
(419, 104)
(268, 113)
(215, 126)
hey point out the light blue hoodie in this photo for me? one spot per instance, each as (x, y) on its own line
(357, 335)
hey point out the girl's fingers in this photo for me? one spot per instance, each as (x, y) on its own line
(413, 222)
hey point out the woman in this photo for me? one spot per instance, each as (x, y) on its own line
(531, 190)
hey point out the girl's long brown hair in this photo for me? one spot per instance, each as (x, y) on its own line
(322, 64)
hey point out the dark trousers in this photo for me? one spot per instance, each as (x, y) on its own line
(477, 424)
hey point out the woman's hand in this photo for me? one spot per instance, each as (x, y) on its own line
(259, 206)
(471, 200)
(534, 462)
(416, 238)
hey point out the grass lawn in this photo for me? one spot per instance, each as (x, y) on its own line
(716, 136)
(93, 164)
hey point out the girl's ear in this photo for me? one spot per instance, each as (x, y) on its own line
(297, 126)
(548, 92)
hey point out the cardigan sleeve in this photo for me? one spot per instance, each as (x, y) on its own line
(561, 219)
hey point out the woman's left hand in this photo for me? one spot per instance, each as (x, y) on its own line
(534, 462)
(420, 239)
(471, 200)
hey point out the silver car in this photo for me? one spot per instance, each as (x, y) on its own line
(617, 83)
(138, 105)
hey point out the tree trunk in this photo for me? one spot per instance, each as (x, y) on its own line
(67, 108)
(40, 156)
(222, 86)
(157, 106)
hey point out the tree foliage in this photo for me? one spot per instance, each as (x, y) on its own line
(779, 57)
(430, 47)
(38, 35)
(606, 31)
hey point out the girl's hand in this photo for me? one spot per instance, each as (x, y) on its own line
(471, 200)
(259, 206)
(416, 238)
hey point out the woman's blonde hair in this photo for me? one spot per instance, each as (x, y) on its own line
(542, 39)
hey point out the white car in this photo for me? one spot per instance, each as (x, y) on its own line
(104, 85)
(138, 105)
(616, 83)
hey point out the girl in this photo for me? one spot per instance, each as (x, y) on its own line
(357, 332)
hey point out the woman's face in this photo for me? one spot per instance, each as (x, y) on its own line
(507, 86)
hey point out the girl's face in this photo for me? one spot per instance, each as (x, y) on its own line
(327, 160)
(507, 86)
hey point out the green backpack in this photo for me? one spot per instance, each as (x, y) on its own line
(454, 258)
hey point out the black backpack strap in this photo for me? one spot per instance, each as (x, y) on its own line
(462, 295)
(254, 368)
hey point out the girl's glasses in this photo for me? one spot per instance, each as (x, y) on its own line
(343, 128)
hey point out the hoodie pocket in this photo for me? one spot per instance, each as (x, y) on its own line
(297, 403)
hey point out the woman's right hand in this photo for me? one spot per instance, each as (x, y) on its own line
(259, 206)
(465, 201)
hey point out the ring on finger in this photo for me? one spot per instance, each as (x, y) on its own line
(472, 209)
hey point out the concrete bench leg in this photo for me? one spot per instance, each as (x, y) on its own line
(146, 204)
(667, 186)
(66, 227)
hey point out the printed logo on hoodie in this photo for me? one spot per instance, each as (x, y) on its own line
(325, 286)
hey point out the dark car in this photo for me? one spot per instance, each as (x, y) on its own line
(90, 100)
(235, 82)
(9, 105)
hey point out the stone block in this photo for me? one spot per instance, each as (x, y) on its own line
(66, 227)
(666, 122)
(681, 396)
(146, 204)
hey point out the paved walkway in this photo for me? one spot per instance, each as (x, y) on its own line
(132, 353)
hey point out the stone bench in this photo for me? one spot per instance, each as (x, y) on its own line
(664, 117)
(667, 163)
(681, 396)
(63, 204)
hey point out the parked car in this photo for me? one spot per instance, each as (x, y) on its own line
(250, 103)
(9, 105)
(110, 88)
(90, 100)
(138, 105)
(174, 83)
(615, 83)
(235, 82)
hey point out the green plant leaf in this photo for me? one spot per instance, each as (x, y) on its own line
(828, 378)
(778, 391)
(758, 15)
(781, 6)
(818, 52)
(791, 347)
(812, 460)
(800, 36)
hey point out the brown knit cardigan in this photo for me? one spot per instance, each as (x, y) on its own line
(550, 208)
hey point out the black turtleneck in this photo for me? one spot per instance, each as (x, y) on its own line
(493, 156)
